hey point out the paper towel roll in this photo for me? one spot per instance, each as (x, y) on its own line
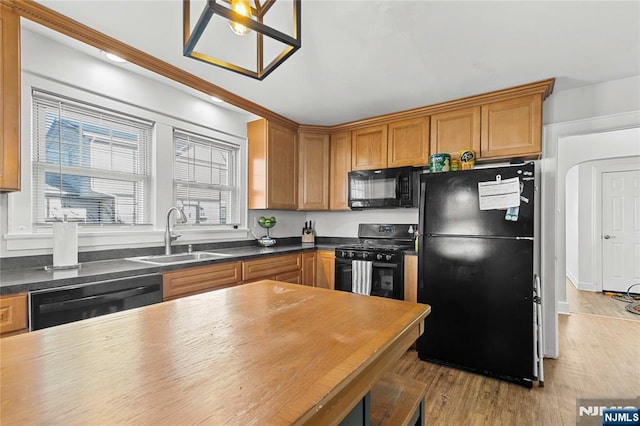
(65, 243)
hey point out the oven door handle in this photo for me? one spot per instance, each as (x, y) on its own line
(385, 265)
(83, 302)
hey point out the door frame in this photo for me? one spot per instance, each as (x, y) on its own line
(625, 164)
(559, 154)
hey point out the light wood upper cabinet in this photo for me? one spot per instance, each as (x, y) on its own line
(456, 130)
(273, 166)
(396, 144)
(9, 101)
(369, 148)
(408, 143)
(326, 267)
(340, 166)
(313, 171)
(512, 128)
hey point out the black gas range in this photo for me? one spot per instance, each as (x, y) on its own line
(374, 265)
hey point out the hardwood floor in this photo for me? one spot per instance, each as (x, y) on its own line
(599, 357)
(597, 303)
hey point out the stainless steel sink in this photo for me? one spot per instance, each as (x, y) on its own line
(171, 259)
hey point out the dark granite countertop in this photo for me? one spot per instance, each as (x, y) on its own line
(23, 279)
(27, 279)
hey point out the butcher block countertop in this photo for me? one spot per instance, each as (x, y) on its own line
(261, 353)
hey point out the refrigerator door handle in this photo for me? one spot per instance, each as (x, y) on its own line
(538, 347)
(420, 247)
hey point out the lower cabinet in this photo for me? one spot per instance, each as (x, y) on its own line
(293, 277)
(184, 282)
(411, 278)
(325, 270)
(296, 268)
(13, 314)
(309, 268)
(272, 268)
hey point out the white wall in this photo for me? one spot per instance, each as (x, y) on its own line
(597, 100)
(50, 66)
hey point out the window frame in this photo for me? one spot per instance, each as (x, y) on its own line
(234, 177)
(88, 111)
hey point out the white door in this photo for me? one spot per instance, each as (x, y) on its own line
(620, 230)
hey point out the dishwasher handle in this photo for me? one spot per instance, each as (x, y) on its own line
(83, 302)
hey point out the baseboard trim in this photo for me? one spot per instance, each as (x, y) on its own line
(587, 286)
(563, 308)
(572, 278)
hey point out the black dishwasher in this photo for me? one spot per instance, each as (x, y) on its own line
(62, 305)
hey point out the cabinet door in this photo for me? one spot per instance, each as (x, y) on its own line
(188, 281)
(293, 277)
(257, 163)
(313, 171)
(369, 148)
(326, 268)
(453, 131)
(13, 313)
(408, 143)
(512, 128)
(270, 266)
(309, 268)
(340, 166)
(9, 101)
(282, 169)
(411, 278)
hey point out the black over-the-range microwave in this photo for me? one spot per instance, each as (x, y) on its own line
(384, 188)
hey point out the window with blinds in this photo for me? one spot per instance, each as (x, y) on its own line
(205, 179)
(90, 165)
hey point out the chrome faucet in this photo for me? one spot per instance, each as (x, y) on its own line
(168, 235)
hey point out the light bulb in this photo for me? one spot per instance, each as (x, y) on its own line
(114, 58)
(241, 7)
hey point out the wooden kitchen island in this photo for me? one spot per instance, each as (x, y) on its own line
(262, 353)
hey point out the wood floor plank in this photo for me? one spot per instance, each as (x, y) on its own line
(599, 357)
(597, 303)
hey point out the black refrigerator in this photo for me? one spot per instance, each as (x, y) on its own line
(476, 270)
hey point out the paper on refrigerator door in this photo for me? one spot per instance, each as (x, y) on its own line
(499, 193)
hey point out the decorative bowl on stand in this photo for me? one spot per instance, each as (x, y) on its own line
(266, 241)
(266, 223)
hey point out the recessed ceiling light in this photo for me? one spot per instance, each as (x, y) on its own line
(114, 58)
(214, 99)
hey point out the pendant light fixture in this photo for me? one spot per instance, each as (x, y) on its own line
(259, 35)
(242, 7)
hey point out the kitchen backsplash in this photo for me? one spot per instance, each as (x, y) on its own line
(329, 223)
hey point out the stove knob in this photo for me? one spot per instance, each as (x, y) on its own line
(351, 254)
(365, 255)
(389, 256)
(343, 253)
(379, 256)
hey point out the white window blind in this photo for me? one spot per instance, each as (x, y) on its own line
(206, 179)
(91, 165)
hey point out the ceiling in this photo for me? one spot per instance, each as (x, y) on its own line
(361, 59)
